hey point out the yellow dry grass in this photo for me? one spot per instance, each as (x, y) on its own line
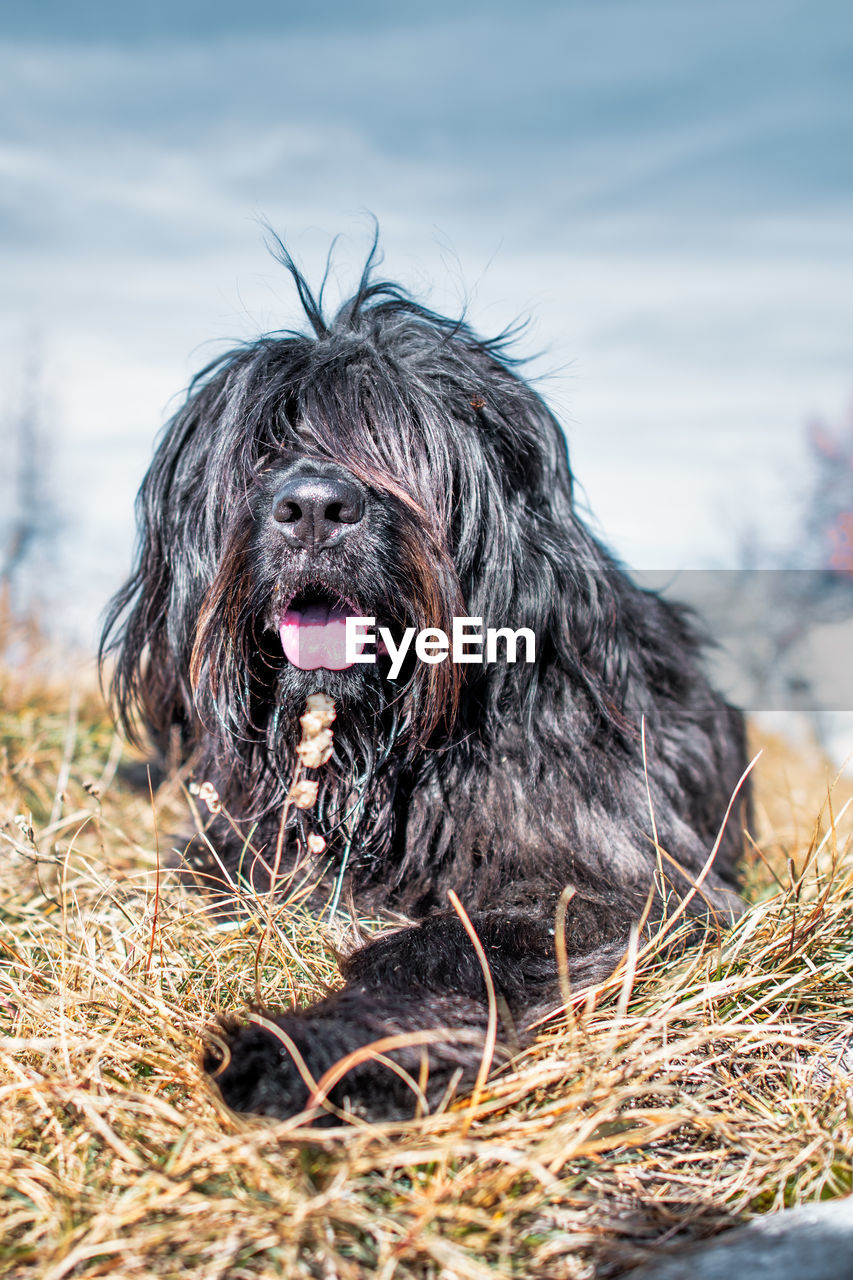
(681, 1098)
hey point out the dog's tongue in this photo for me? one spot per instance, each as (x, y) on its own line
(315, 636)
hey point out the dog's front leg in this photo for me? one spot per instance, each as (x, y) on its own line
(335, 1056)
(410, 1025)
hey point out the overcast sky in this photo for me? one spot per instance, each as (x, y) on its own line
(664, 187)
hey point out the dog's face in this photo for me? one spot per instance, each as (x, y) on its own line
(327, 545)
(393, 467)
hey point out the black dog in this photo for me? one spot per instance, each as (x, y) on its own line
(392, 465)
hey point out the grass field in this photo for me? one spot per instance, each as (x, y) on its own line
(675, 1101)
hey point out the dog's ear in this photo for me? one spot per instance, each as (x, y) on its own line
(149, 630)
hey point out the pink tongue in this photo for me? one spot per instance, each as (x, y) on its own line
(315, 636)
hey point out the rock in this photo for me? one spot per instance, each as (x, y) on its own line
(814, 1242)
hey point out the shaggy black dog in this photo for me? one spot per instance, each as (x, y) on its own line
(392, 465)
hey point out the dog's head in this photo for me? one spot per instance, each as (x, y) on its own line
(389, 464)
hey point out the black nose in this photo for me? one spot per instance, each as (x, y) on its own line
(316, 511)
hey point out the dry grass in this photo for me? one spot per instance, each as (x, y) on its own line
(675, 1102)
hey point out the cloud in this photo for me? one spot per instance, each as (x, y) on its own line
(664, 186)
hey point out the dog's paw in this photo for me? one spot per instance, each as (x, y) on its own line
(383, 1063)
(255, 1071)
(274, 1068)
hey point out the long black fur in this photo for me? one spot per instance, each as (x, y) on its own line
(504, 782)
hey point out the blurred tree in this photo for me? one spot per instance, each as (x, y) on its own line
(30, 517)
(784, 621)
(829, 511)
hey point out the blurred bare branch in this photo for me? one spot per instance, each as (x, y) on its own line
(31, 517)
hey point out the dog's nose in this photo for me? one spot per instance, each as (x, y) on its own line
(313, 510)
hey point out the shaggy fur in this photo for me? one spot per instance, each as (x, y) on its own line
(505, 783)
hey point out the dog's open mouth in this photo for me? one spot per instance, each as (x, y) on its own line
(313, 631)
